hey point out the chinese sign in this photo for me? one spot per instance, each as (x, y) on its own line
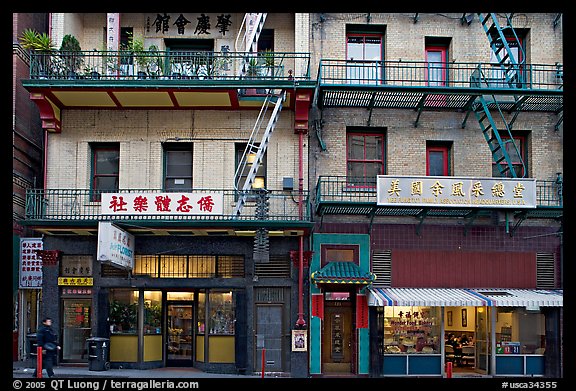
(30, 263)
(76, 266)
(75, 281)
(162, 203)
(76, 291)
(202, 24)
(115, 245)
(113, 31)
(361, 312)
(318, 305)
(444, 191)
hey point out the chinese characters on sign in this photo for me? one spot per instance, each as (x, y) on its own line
(115, 245)
(161, 23)
(398, 190)
(76, 281)
(30, 264)
(162, 203)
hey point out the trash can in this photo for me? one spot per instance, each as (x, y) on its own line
(98, 353)
(32, 345)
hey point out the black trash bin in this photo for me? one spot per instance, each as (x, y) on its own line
(32, 345)
(98, 353)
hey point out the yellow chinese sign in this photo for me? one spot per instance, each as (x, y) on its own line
(444, 191)
(75, 281)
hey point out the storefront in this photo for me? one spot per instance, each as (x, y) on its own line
(506, 331)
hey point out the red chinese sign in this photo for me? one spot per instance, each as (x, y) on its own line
(162, 203)
(361, 312)
(318, 305)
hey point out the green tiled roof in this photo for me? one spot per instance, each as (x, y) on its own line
(342, 273)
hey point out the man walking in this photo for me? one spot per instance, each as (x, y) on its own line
(46, 338)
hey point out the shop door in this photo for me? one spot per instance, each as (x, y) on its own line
(179, 329)
(269, 337)
(337, 338)
(76, 329)
(482, 340)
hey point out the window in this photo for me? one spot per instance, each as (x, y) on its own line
(105, 169)
(520, 331)
(365, 158)
(516, 151)
(496, 77)
(123, 313)
(177, 167)
(189, 266)
(190, 58)
(246, 164)
(400, 336)
(364, 57)
(437, 159)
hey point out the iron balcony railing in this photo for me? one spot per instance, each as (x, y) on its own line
(85, 205)
(425, 74)
(363, 190)
(168, 65)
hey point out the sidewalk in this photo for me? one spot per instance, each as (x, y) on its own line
(24, 369)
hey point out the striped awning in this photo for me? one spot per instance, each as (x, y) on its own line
(531, 298)
(433, 297)
(342, 273)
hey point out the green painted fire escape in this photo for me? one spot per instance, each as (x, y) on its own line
(496, 130)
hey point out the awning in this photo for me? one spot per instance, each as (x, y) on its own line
(433, 297)
(522, 297)
(342, 273)
(498, 297)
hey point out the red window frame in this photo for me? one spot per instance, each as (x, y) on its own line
(348, 160)
(520, 142)
(445, 150)
(443, 52)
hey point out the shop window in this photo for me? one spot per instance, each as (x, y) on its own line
(410, 329)
(123, 313)
(221, 319)
(189, 266)
(520, 331)
(152, 312)
(105, 169)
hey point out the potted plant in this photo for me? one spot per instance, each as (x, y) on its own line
(140, 56)
(269, 62)
(70, 53)
(42, 43)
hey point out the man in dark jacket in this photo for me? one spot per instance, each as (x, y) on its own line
(46, 338)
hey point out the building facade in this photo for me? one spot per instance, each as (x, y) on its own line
(327, 194)
(413, 114)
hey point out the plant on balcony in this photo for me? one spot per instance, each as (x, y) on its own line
(71, 55)
(42, 43)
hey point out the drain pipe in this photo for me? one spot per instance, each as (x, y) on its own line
(300, 323)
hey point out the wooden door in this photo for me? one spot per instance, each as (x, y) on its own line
(337, 338)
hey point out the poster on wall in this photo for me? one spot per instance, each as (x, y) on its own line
(299, 341)
(30, 268)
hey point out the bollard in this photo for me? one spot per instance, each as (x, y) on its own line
(263, 361)
(449, 370)
(39, 362)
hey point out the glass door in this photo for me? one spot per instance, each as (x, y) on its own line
(76, 329)
(482, 340)
(180, 321)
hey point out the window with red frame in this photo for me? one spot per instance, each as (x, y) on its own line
(365, 158)
(437, 159)
(517, 156)
(105, 169)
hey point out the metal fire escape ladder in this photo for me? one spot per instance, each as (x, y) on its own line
(249, 42)
(255, 151)
(511, 70)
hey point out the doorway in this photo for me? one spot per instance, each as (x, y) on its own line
(76, 328)
(337, 338)
(179, 326)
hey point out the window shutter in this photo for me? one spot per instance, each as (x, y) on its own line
(382, 267)
(545, 271)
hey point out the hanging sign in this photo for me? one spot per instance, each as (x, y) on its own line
(115, 246)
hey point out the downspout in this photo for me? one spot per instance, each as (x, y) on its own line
(301, 323)
(45, 168)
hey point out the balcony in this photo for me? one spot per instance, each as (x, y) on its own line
(79, 210)
(162, 80)
(337, 195)
(445, 86)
